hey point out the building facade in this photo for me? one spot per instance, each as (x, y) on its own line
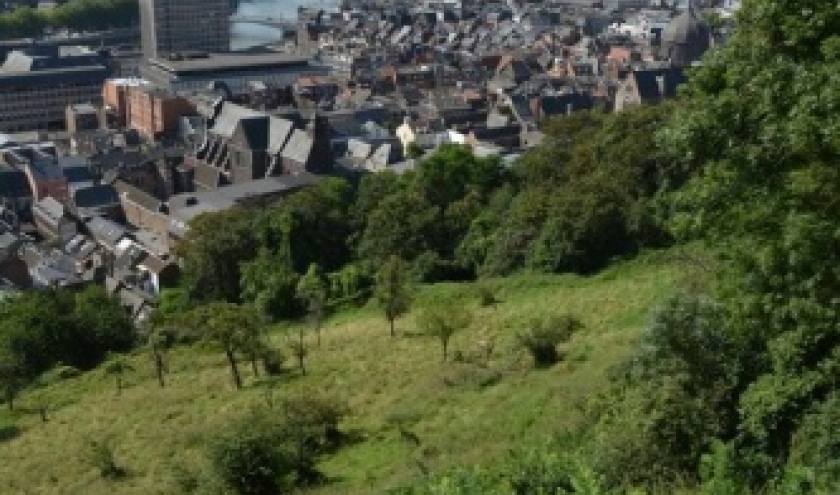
(35, 90)
(176, 26)
(155, 112)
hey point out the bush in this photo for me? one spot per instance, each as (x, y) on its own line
(272, 361)
(672, 399)
(487, 294)
(268, 451)
(544, 335)
(817, 442)
(8, 431)
(251, 459)
(100, 454)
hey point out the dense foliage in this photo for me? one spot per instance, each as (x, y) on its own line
(74, 15)
(758, 368)
(571, 205)
(40, 330)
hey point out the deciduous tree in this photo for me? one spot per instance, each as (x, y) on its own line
(393, 290)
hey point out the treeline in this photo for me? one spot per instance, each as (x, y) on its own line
(74, 15)
(572, 205)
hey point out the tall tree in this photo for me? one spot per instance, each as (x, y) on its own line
(269, 283)
(212, 253)
(12, 378)
(232, 327)
(393, 290)
(312, 290)
(159, 340)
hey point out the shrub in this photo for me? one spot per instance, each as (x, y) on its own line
(487, 295)
(268, 451)
(251, 459)
(272, 361)
(100, 454)
(8, 431)
(817, 442)
(544, 335)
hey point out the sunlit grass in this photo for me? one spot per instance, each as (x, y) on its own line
(462, 412)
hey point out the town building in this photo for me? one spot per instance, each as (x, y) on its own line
(178, 26)
(198, 71)
(35, 90)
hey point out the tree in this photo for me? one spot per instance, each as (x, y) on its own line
(231, 326)
(402, 224)
(159, 341)
(312, 290)
(299, 349)
(392, 290)
(212, 253)
(762, 149)
(12, 378)
(269, 282)
(41, 329)
(442, 322)
(117, 366)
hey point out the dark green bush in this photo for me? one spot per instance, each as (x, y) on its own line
(100, 454)
(545, 334)
(270, 450)
(8, 431)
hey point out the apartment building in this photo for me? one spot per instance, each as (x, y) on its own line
(35, 90)
(176, 26)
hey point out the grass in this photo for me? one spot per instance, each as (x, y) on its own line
(463, 413)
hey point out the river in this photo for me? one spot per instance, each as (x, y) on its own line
(247, 35)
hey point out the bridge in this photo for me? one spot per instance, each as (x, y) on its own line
(274, 22)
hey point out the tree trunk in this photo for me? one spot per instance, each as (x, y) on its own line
(42, 410)
(159, 369)
(234, 368)
(119, 384)
(318, 331)
(301, 352)
(445, 343)
(393, 330)
(255, 364)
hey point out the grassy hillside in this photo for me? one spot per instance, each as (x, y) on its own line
(463, 413)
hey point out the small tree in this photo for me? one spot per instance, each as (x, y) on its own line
(312, 289)
(117, 366)
(231, 326)
(159, 341)
(443, 322)
(545, 334)
(392, 290)
(299, 349)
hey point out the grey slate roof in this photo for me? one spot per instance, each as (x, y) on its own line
(106, 232)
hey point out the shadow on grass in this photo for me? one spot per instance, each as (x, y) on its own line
(9, 431)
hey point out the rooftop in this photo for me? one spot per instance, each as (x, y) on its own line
(225, 61)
